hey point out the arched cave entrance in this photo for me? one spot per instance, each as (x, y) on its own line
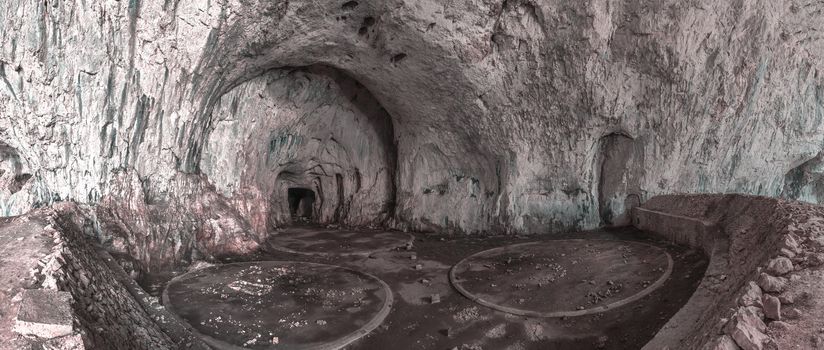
(291, 132)
(13, 175)
(805, 181)
(620, 168)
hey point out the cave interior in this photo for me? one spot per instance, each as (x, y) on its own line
(364, 174)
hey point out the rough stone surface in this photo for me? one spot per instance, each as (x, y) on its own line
(793, 313)
(22, 245)
(508, 116)
(772, 307)
(772, 284)
(513, 116)
(161, 231)
(69, 342)
(747, 329)
(69, 292)
(779, 266)
(725, 342)
(44, 313)
(752, 295)
(778, 327)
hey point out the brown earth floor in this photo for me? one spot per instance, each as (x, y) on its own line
(416, 323)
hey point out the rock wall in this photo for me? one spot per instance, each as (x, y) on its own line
(189, 221)
(499, 108)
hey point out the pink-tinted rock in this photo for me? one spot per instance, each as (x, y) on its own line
(787, 253)
(772, 307)
(747, 329)
(752, 295)
(772, 284)
(778, 327)
(816, 259)
(725, 342)
(473, 149)
(69, 342)
(790, 243)
(779, 266)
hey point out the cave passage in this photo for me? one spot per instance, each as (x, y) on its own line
(301, 203)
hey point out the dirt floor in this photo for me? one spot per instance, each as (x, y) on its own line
(428, 313)
(291, 304)
(562, 277)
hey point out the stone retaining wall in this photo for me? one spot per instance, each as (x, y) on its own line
(758, 256)
(107, 315)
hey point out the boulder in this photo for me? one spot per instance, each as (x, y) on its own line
(772, 307)
(772, 284)
(752, 295)
(747, 329)
(779, 266)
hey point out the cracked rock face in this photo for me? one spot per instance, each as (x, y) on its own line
(474, 116)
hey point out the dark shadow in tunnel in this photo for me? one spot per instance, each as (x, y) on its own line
(301, 203)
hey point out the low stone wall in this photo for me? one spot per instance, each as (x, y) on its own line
(108, 310)
(757, 257)
(108, 317)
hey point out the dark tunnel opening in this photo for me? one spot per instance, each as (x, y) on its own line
(301, 204)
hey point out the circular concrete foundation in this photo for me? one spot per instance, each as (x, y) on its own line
(279, 305)
(562, 277)
(311, 241)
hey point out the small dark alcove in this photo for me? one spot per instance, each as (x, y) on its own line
(301, 203)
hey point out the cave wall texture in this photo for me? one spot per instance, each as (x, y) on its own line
(467, 116)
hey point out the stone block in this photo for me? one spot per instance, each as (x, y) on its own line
(44, 313)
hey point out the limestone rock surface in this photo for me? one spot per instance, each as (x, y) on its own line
(512, 116)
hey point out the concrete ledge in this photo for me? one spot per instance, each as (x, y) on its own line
(679, 229)
(679, 332)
